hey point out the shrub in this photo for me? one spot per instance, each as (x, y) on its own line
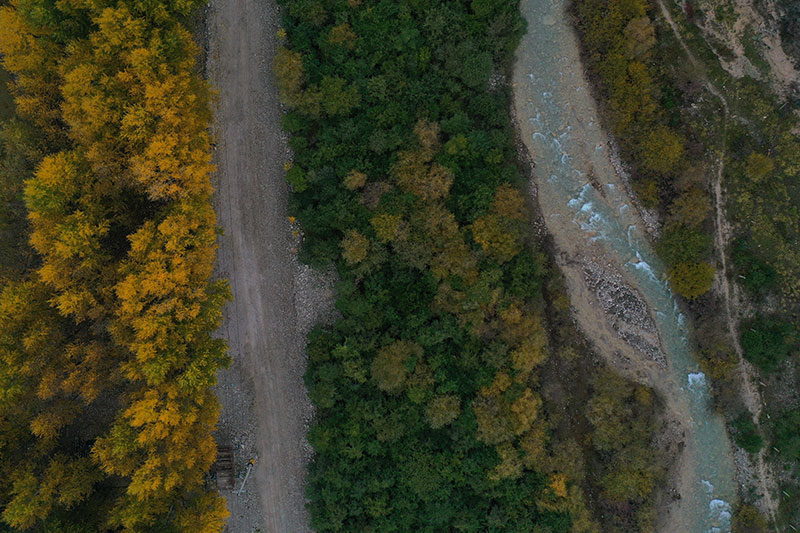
(746, 435)
(786, 434)
(748, 519)
(767, 341)
(757, 276)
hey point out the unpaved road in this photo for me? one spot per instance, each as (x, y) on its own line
(263, 392)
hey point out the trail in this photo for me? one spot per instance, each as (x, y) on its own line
(750, 393)
(265, 409)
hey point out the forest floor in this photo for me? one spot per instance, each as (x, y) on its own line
(265, 407)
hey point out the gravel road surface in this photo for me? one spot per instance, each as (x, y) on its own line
(265, 408)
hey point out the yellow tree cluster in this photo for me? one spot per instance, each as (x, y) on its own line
(33, 59)
(48, 376)
(121, 216)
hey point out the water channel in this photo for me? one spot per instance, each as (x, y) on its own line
(586, 206)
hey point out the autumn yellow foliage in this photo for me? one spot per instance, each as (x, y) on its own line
(122, 304)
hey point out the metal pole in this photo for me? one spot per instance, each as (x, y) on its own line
(247, 475)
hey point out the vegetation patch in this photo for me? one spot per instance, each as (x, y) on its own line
(429, 388)
(642, 108)
(758, 139)
(746, 435)
(106, 353)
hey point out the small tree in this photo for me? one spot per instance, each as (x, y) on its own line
(691, 207)
(691, 280)
(389, 371)
(343, 34)
(497, 239)
(442, 410)
(758, 166)
(354, 247)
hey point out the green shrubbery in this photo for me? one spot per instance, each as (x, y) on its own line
(427, 386)
(755, 274)
(786, 434)
(746, 435)
(767, 341)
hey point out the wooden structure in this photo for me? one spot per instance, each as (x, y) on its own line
(225, 468)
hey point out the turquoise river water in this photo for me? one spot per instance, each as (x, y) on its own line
(559, 122)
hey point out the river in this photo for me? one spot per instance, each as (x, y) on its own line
(588, 212)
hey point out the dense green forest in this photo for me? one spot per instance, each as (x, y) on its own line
(644, 93)
(106, 354)
(440, 390)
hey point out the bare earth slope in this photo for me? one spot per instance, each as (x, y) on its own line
(256, 255)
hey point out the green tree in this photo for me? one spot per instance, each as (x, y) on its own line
(767, 341)
(691, 280)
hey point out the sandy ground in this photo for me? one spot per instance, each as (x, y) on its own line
(265, 408)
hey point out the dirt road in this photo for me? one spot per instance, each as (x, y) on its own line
(265, 407)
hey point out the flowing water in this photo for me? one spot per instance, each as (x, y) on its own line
(585, 206)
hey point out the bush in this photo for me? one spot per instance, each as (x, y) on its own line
(786, 434)
(767, 341)
(746, 435)
(748, 519)
(757, 276)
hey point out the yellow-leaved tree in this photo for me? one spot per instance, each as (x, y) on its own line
(32, 56)
(41, 399)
